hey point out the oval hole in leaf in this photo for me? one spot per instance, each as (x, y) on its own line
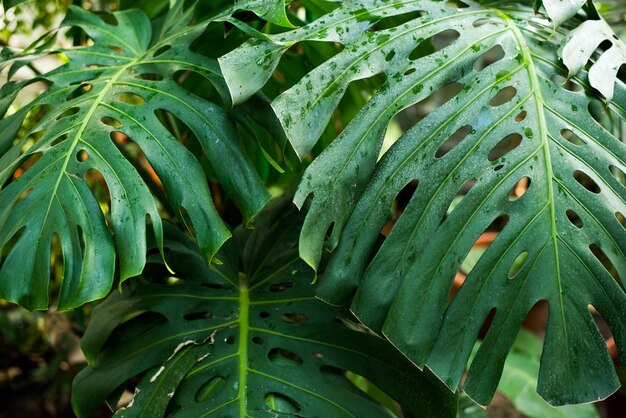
(111, 122)
(79, 91)
(294, 318)
(82, 156)
(193, 316)
(215, 286)
(518, 263)
(618, 174)
(521, 116)
(565, 83)
(131, 98)
(483, 21)
(492, 56)
(280, 403)
(454, 140)
(230, 340)
(149, 76)
(280, 287)
(69, 112)
(162, 50)
(574, 218)
(587, 182)
(257, 340)
(115, 48)
(571, 137)
(506, 145)
(459, 196)
(433, 44)
(520, 188)
(395, 21)
(503, 96)
(209, 388)
(284, 358)
(621, 219)
(456, 4)
(606, 262)
(58, 140)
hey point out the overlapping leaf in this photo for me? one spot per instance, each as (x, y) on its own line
(506, 118)
(246, 339)
(115, 86)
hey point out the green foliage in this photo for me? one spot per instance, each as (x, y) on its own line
(247, 338)
(508, 117)
(118, 85)
(510, 124)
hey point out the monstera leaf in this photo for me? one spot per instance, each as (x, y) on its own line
(502, 122)
(245, 339)
(113, 89)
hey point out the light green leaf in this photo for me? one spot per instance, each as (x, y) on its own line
(497, 84)
(247, 339)
(561, 10)
(580, 45)
(115, 87)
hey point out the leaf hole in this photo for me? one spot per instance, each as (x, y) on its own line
(459, 196)
(294, 318)
(574, 218)
(409, 71)
(606, 262)
(58, 140)
(518, 264)
(284, 358)
(621, 219)
(483, 21)
(503, 96)
(210, 388)
(82, 156)
(492, 56)
(571, 137)
(454, 140)
(317, 355)
(432, 102)
(257, 340)
(619, 175)
(81, 90)
(395, 21)
(520, 188)
(390, 56)
(194, 316)
(521, 116)
(69, 112)
(215, 286)
(131, 98)
(587, 182)
(280, 403)
(149, 76)
(433, 44)
(280, 287)
(565, 83)
(111, 122)
(230, 340)
(115, 48)
(264, 314)
(162, 50)
(456, 4)
(506, 145)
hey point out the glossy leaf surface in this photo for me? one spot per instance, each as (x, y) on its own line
(108, 95)
(501, 98)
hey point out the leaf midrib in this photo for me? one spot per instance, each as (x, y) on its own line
(543, 128)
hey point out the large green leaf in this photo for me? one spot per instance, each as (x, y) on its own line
(502, 103)
(119, 84)
(245, 339)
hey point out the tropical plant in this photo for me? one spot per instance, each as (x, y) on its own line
(434, 122)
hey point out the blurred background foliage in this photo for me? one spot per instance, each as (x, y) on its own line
(40, 352)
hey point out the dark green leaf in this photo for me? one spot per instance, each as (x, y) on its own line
(245, 339)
